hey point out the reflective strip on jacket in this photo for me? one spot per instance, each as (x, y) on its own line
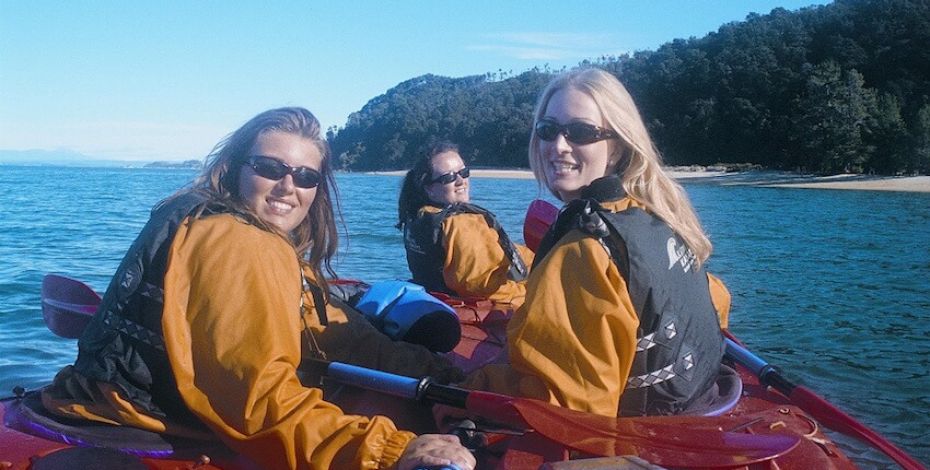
(573, 341)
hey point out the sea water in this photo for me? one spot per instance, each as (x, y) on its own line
(832, 286)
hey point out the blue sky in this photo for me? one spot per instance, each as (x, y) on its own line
(167, 80)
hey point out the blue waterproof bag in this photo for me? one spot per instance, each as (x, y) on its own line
(405, 311)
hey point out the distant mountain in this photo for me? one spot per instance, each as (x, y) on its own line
(64, 157)
(67, 157)
(186, 164)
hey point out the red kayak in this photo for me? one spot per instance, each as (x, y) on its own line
(762, 428)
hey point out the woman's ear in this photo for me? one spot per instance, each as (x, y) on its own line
(621, 158)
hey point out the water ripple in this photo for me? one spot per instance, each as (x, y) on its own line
(829, 285)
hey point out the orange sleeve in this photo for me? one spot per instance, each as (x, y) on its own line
(720, 296)
(475, 263)
(232, 332)
(572, 343)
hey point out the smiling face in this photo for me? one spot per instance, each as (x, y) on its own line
(280, 203)
(456, 191)
(568, 166)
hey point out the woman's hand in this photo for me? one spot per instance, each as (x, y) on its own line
(436, 449)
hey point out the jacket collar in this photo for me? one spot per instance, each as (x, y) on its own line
(604, 189)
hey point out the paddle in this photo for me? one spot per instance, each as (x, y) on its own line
(67, 305)
(817, 406)
(662, 440)
(539, 216)
(659, 440)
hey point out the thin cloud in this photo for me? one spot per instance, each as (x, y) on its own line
(547, 46)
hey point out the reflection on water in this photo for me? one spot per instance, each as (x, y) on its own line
(830, 285)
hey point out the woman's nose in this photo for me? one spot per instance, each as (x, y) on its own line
(561, 142)
(286, 184)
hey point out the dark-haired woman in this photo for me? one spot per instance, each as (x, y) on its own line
(454, 246)
(201, 331)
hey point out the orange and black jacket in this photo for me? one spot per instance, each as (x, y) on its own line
(207, 343)
(462, 250)
(581, 339)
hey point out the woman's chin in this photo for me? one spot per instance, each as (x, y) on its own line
(564, 185)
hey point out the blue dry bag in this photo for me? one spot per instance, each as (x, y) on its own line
(405, 311)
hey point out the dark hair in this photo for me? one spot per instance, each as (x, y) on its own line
(316, 237)
(413, 193)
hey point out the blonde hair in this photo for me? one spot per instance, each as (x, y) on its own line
(640, 167)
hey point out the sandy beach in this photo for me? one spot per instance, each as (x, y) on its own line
(920, 184)
(775, 179)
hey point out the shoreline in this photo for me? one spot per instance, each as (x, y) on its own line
(766, 179)
(777, 179)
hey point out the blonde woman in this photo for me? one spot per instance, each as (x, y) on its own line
(619, 318)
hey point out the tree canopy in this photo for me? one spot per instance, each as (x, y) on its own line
(840, 87)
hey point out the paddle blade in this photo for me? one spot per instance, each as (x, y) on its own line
(67, 305)
(665, 441)
(539, 216)
(834, 418)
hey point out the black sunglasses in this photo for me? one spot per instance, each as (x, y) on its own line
(580, 133)
(450, 177)
(274, 169)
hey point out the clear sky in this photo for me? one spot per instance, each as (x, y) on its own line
(166, 80)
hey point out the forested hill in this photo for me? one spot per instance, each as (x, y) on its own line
(842, 87)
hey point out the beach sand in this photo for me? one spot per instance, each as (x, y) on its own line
(775, 179)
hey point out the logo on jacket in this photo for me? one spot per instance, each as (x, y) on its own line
(411, 244)
(679, 254)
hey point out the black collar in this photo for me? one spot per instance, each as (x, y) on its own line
(604, 189)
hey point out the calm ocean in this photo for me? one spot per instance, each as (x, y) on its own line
(833, 286)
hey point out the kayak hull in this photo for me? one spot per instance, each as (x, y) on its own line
(759, 410)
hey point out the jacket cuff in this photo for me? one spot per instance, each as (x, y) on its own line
(394, 447)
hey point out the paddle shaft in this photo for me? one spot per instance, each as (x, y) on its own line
(423, 389)
(817, 406)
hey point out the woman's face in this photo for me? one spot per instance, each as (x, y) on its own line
(456, 190)
(571, 166)
(280, 203)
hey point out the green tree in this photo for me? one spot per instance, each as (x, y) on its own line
(887, 136)
(920, 142)
(834, 113)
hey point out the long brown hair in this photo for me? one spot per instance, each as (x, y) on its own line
(640, 166)
(316, 237)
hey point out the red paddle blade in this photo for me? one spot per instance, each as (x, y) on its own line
(67, 305)
(539, 216)
(666, 441)
(834, 418)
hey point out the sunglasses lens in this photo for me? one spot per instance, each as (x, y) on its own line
(546, 130)
(450, 177)
(269, 168)
(307, 178)
(581, 133)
